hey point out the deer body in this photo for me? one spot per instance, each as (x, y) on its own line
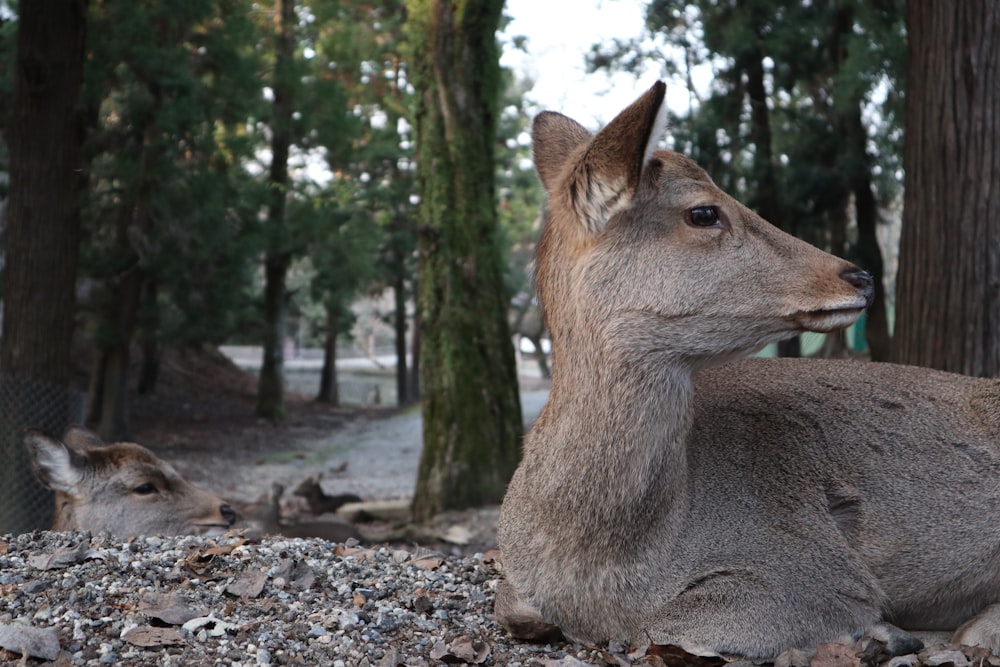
(736, 509)
(121, 488)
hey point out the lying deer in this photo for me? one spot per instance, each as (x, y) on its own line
(122, 489)
(738, 509)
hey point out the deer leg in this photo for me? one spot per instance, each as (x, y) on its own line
(741, 613)
(521, 619)
(983, 629)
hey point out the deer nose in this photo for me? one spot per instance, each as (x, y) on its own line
(228, 513)
(861, 281)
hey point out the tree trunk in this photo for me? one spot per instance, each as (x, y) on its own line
(859, 177)
(766, 200)
(271, 386)
(413, 384)
(399, 324)
(948, 295)
(471, 412)
(126, 289)
(149, 369)
(328, 390)
(42, 238)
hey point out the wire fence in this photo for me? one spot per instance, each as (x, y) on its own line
(25, 504)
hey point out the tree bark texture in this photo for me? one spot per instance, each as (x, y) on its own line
(42, 237)
(948, 295)
(271, 385)
(471, 412)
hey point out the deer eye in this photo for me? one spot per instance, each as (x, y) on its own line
(145, 489)
(704, 216)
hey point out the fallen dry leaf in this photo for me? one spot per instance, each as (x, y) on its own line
(426, 559)
(148, 636)
(674, 656)
(168, 608)
(63, 557)
(491, 558)
(465, 650)
(345, 551)
(224, 549)
(832, 654)
(294, 574)
(29, 641)
(469, 650)
(249, 585)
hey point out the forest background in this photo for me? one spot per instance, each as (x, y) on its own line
(188, 175)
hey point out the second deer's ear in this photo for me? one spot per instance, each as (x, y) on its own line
(81, 439)
(604, 180)
(55, 465)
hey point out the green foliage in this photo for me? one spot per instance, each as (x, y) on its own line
(169, 88)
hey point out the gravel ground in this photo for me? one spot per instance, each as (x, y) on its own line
(81, 600)
(73, 599)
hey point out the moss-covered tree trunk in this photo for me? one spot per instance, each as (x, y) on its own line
(471, 412)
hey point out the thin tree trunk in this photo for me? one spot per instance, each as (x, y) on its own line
(859, 177)
(766, 200)
(271, 387)
(41, 239)
(399, 325)
(471, 413)
(114, 417)
(328, 390)
(413, 391)
(149, 369)
(948, 294)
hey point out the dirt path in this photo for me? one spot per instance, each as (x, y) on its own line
(375, 457)
(214, 440)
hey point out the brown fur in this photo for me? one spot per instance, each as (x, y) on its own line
(670, 494)
(122, 488)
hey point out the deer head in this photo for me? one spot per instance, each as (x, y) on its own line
(122, 488)
(642, 245)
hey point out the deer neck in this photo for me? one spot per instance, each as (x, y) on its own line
(617, 423)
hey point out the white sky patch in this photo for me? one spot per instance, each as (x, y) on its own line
(560, 34)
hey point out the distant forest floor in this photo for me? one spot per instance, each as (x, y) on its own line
(202, 418)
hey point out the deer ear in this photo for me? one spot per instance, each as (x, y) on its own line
(81, 439)
(55, 465)
(554, 137)
(604, 181)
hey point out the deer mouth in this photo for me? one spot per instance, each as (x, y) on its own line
(828, 319)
